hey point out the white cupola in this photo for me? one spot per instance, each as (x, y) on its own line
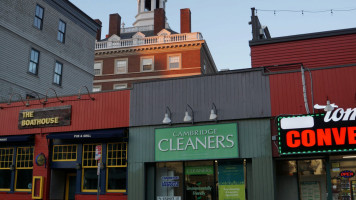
(145, 15)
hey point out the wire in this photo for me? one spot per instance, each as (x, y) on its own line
(331, 11)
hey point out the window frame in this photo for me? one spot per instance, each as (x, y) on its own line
(123, 84)
(60, 32)
(126, 67)
(65, 160)
(153, 63)
(35, 62)
(169, 63)
(88, 167)
(38, 17)
(101, 67)
(97, 86)
(57, 74)
(116, 166)
(7, 168)
(30, 161)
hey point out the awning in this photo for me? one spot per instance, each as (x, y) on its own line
(93, 134)
(16, 138)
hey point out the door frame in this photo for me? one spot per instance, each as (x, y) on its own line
(67, 184)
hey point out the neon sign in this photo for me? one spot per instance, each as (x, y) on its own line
(334, 131)
(347, 174)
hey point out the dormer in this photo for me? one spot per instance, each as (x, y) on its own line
(114, 38)
(138, 35)
(164, 32)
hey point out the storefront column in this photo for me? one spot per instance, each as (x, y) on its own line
(328, 179)
(41, 147)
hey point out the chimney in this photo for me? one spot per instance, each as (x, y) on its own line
(98, 32)
(114, 24)
(185, 21)
(159, 20)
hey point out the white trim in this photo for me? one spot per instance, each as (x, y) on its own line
(122, 84)
(126, 67)
(145, 77)
(153, 63)
(97, 86)
(174, 55)
(101, 67)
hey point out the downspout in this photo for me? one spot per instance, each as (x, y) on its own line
(304, 90)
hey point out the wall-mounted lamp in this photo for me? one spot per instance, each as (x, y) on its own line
(213, 113)
(45, 100)
(187, 117)
(12, 167)
(102, 166)
(78, 166)
(79, 95)
(167, 116)
(9, 102)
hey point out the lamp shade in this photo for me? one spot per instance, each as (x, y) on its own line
(166, 119)
(213, 116)
(328, 107)
(187, 117)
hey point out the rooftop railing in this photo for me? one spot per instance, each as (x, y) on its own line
(184, 37)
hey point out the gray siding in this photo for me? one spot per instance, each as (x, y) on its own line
(236, 96)
(18, 36)
(254, 144)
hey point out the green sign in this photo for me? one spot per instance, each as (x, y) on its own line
(199, 170)
(231, 181)
(196, 142)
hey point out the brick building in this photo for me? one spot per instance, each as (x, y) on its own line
(149, 50)
(44, 44)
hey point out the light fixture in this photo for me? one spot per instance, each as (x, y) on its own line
(348, 157)
(12, 167)
(213, 113)
(187, 117)
(79, 95)
(167, 116)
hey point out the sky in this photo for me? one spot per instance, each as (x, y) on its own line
(224, 23)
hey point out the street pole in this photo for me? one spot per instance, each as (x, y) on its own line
(98, 188)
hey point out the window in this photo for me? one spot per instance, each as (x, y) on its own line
(116, 167)
(24, 166)
(96, 88)
(6, 159)
(90, 165)
(57, 79)
(120, 86)
(147, 64)
(61, 31)
(65, 152)
(174, 61)
(98, 68)
(38, 17)
(34, 59)
(121, 66)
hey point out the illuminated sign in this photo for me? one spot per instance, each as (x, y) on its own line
(334, 131)
(45, 117)
(196, 142)
(347, 174)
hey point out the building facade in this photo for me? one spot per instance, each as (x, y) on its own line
(45, 44)
(313, 104)
(149, 50)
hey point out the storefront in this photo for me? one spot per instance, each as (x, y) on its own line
(317, 156)
(48, 147)
(199, 162)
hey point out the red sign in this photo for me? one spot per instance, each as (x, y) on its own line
(347, 174)
(98, 152)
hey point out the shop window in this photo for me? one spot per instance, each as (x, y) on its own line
(169, 178)
(116, 167)
(65, 152)
(6, 159)
(24, 167)
(89, 168)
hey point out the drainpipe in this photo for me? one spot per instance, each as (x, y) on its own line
(304, 90)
